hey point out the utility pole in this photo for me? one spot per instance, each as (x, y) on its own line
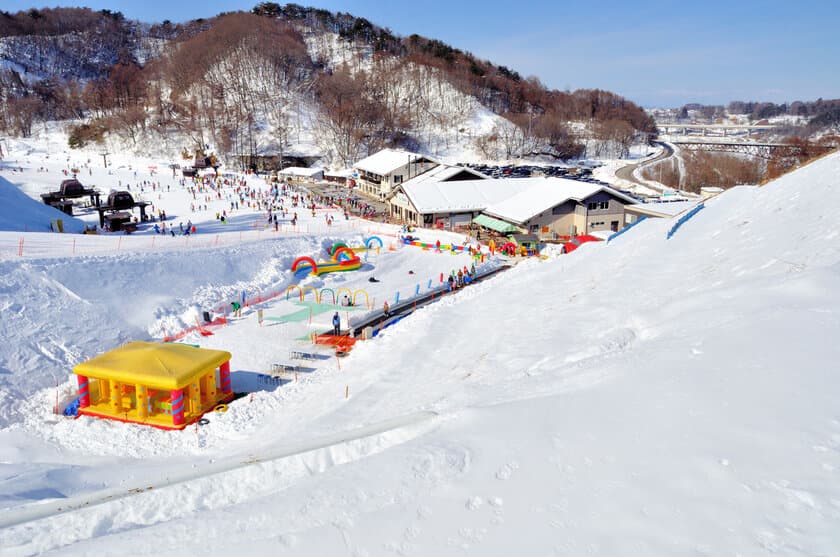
(105, 158)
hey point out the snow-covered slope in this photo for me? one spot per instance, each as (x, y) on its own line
(648, 396)
(22, 213)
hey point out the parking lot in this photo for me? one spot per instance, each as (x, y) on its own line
(583, 173)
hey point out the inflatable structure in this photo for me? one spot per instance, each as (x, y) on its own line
(343, 259)
(578, 240)
(167, 386)
(410, 241)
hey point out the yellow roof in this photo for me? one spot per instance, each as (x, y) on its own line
(162, 366)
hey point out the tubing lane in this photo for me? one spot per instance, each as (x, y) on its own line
(379, 320)
(29, 513)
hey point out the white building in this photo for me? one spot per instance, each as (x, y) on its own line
(553, 208)
(300, 174)
(380, 172)
(448, 204)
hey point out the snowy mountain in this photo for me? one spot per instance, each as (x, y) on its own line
(646, 396)
(286, 80)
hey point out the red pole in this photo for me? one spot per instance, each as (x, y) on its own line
(224, 378)
(20, 248)
(84, 391)
(176, 399)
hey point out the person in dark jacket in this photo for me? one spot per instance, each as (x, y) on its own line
(336, 324)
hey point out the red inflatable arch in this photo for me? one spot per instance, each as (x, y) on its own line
(344, 251)
(303, 261)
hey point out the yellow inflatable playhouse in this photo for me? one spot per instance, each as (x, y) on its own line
(168, 386)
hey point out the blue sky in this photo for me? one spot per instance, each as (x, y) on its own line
(656, 53)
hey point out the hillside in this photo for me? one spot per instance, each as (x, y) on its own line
(650, 396)
(286, 80)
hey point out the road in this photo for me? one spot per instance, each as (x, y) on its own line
(626, 172)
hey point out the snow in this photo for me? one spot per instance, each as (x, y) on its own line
(666, 208)
(29, 215)
(461, 195)
(442, 173)
(301, 171)
(646, 396)
(386, 161)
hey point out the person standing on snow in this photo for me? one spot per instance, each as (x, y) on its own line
(336, 324)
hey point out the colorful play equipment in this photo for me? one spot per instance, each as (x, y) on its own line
(508, 248)
(168, 386)
(427, 246)
(344, 291)
(356, 295)
(343, 259)
(314, 293)
(343, 254)
(332, 293)
(371, 239)
(575, 242)
(335, 296)
(335, 247)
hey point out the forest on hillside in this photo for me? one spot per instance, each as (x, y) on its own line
(821, 115)
(232, 79)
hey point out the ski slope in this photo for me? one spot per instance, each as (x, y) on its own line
(647, 396)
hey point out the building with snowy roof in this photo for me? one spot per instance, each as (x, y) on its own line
(448, 197)
(377, 174)
(300, 174)
(556, 207)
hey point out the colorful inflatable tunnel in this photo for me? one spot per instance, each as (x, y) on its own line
(344, 259)
(343, 254)
(167, 386)
(302, 262)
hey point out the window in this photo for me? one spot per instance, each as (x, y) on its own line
(534, 228)
(397, 178)
(604, 205)
(591, 206)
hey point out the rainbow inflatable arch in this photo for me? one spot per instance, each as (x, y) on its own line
(342, 259)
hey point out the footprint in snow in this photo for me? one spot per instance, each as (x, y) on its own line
(506, 471)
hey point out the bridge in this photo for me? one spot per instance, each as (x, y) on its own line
(713, 129)
(753, 149)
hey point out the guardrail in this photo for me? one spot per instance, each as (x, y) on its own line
(684, 219)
